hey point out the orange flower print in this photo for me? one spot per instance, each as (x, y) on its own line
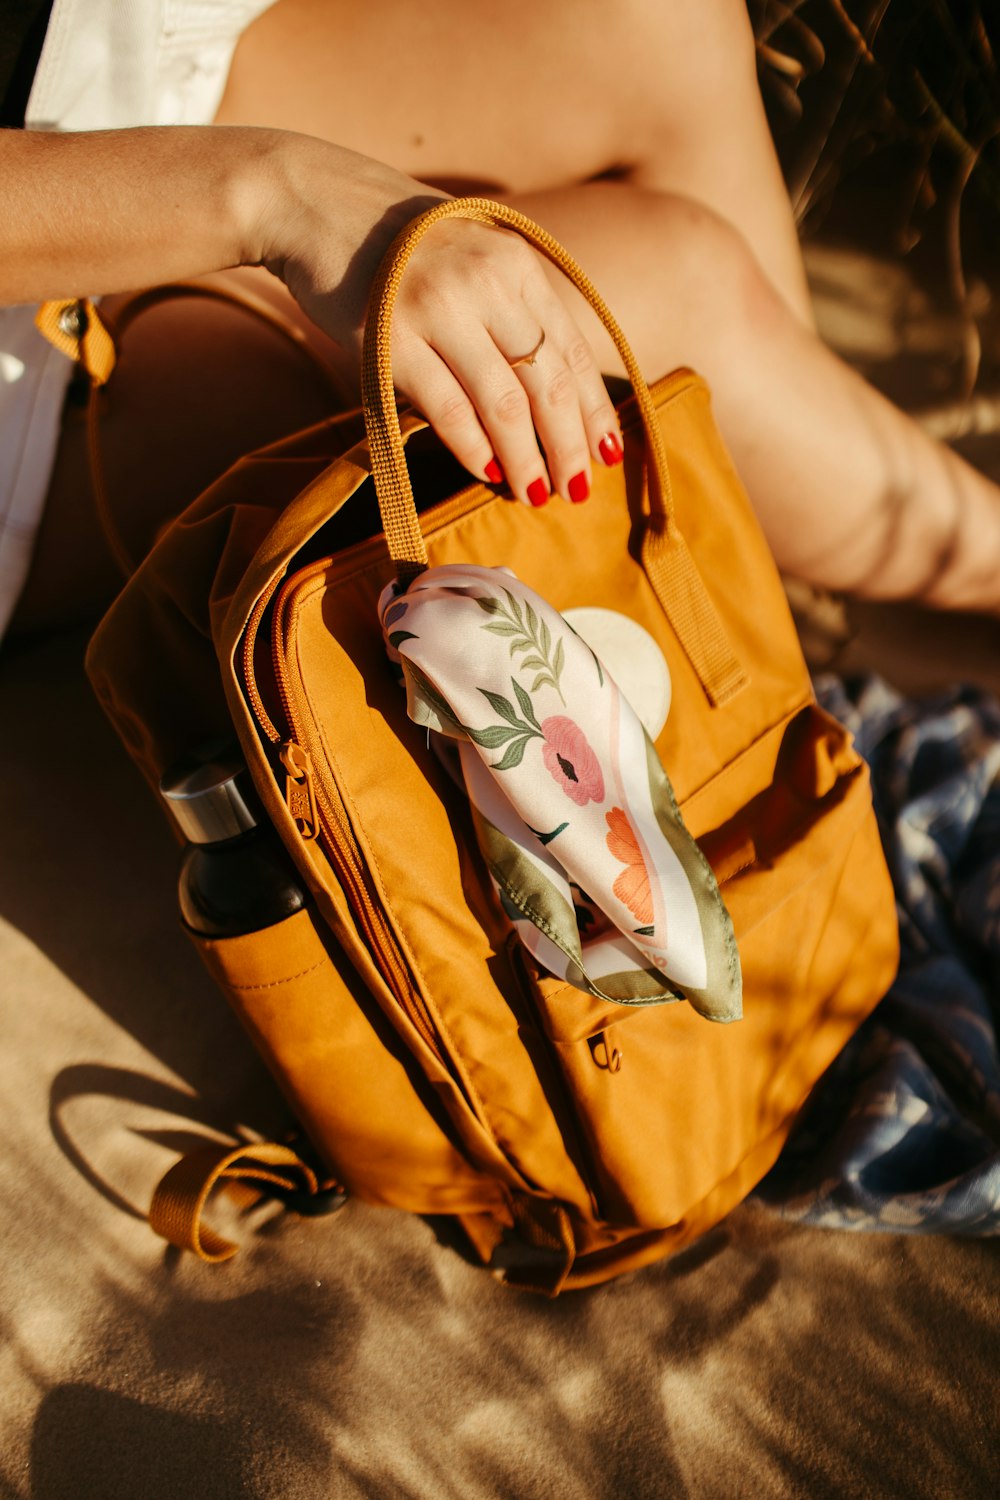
(570, 761)
(632, 885)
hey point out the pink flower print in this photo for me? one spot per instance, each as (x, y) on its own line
(570, 761)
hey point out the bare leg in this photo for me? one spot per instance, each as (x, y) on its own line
(851, 494)
(693, 244)
(525, 97)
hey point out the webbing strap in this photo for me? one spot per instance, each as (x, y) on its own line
(544, 1224)
(671, 570)
(673, 574)
(180, 1197)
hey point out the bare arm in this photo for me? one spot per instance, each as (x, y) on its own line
(109, 210)
(101, 212)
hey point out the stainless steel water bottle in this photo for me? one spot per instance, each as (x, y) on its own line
(236, 875)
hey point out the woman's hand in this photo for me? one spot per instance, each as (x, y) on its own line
(482, 345)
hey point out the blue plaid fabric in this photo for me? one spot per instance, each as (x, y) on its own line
(903, 1131)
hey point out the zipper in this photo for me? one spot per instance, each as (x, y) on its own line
(319, 812)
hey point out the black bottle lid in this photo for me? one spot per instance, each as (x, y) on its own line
(210, 800)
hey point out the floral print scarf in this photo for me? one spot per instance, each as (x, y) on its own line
(575, 816)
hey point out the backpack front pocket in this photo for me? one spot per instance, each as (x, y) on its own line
(675, 1110)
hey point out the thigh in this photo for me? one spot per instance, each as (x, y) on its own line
(527, 97)
(463, 94)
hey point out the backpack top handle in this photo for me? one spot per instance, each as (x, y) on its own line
(665, 556)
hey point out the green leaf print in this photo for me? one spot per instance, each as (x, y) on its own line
(525, 702)
(503, 707)
(493, 736)
(529, 634)
(512, 756)
(546, 838)
(515, 733)
(515, 607)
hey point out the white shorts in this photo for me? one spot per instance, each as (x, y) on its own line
(105, 65)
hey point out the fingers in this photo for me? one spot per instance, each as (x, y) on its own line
(545, 421)
(499, 404)
(572, 413)
(424, 378)
(553, 402)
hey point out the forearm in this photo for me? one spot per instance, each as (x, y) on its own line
(106, 211)
(109, 210)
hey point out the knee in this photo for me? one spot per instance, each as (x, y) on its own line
(716, 302)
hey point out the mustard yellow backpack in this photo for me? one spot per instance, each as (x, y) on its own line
(433, 1065)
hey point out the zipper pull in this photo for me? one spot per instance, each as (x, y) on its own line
(300, 794)
(605, 1054)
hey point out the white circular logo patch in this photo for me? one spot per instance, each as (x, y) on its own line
(632, 658)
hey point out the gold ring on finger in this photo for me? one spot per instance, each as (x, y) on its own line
(528, 359)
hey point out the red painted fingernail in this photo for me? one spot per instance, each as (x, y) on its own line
(579, 488)
(493, 472)
(538, 492)
(610, 449)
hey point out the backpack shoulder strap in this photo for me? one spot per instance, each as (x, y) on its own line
(177, 1209)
